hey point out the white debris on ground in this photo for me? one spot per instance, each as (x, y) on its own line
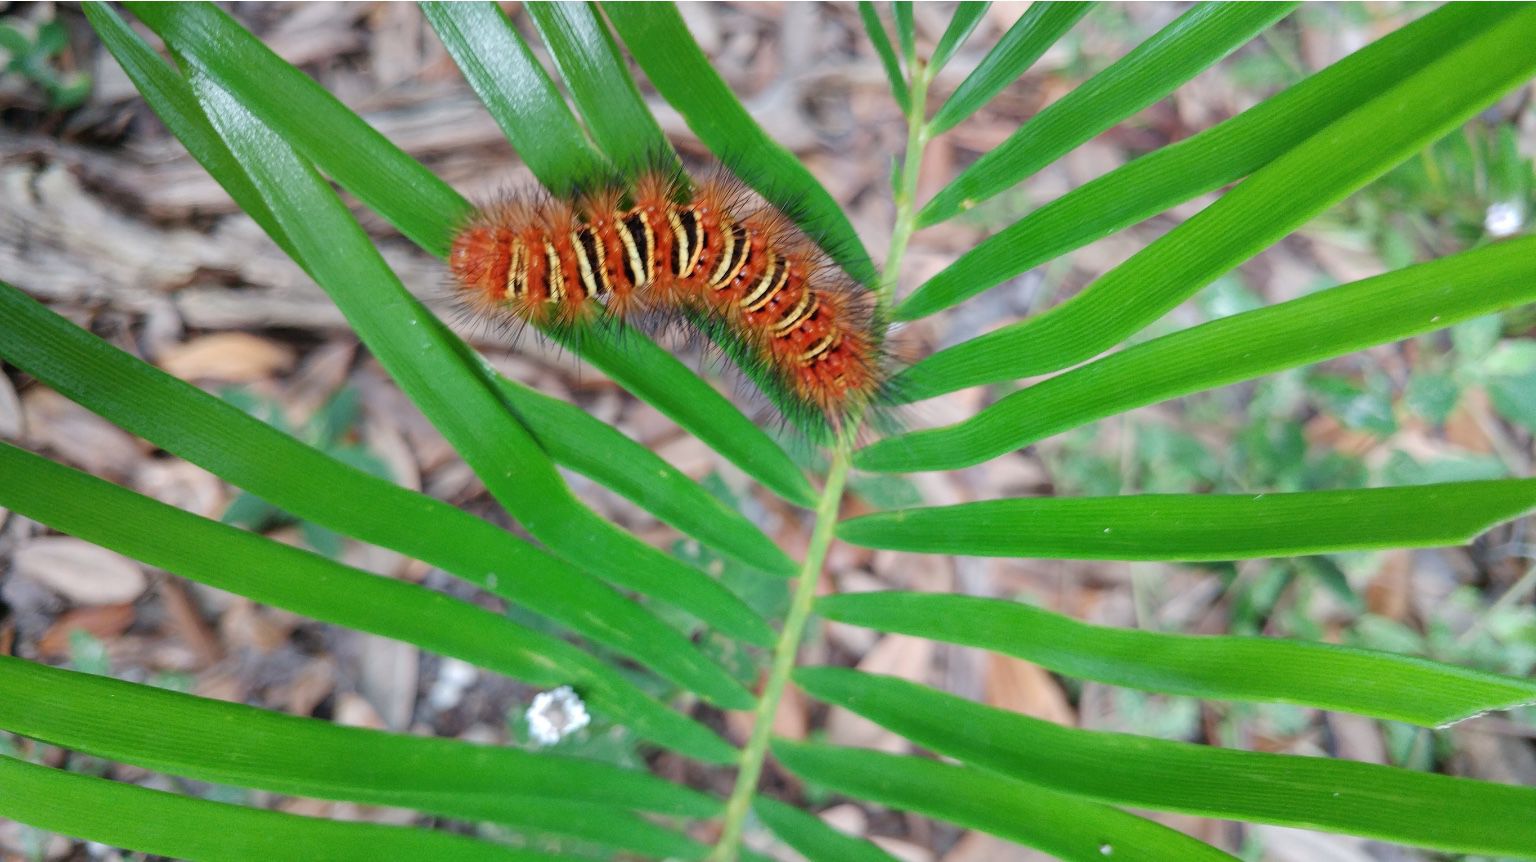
(555, 715)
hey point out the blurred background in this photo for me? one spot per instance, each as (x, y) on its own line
(104, 216)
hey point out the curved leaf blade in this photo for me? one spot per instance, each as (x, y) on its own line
(604, 454)
(660, 42)
(423, 361)
(309, 584)
(1279, 197)
(312, 121)
(1253, 669)
(395, 185)
(1202, 163)
(1173, 55)
(1399, 805)
(1066, 827)
(1040, 27)
(875, 29)
(230, 743)
(812, 838)
(600, 84)
(521, 98)
(153, 821)
(1200, 527)
(967, 15)
(308, 483)
(1321, 326)
(210, 740)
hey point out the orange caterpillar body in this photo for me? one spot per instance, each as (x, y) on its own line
(735, 265)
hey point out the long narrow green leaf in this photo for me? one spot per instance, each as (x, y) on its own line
(153, 821)
(1365, 682)
(601, 86)
(1040, 27)
(1279, 197)
(1207, 161)
(449, 392)
(812, 837)
(1399, 805)
(1066, 827)
(659, 41)
(599, 451)
(210, 740)
(875, 29)
(311, 120)
(398, 187)
(522, 99)
(310, 484)
(1311, 329)
(906, 34)
(967, 16)
(309, 584)
(230, 743)
(1192, 527)
(1173, 55)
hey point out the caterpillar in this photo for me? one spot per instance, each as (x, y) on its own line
(709, 253)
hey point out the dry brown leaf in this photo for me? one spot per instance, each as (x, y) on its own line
(80, 571)
(232, 357)
(895, 655)
(1024, 687)
(390, 671)
(354, 710)
(1387, 594)
(245, 625)
(104, 622)
(79, 436)
(981, 847)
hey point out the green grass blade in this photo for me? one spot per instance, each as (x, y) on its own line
(1040, 27)
(1196, 527)
(1205, 162)
(812, 838)
(165, 824)
(306, 583)
(398, 187)
(1321, 326)
(1279, 197)
(660, 42)
(336, 252)
(967, 15)
(601, 86)
(210, 740)
(1398, 805)
(1254, 669)
(520, 96)
(1068, 828)
(229, 743)
(641, 366)
(875, 29)
(288, 101)
(905, 31)
(603, 453)
(1178, 52)
(311, 485)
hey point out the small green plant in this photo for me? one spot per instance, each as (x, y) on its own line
(32, 58)
(652, 642)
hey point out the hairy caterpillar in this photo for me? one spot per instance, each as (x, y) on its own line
(711, 254)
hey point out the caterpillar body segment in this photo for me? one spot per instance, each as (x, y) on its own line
(709, 253)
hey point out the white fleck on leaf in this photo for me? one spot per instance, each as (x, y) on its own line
(555, 715)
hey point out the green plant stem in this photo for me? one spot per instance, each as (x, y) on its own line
(906, 191)
(784, 654)
(788, 647)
